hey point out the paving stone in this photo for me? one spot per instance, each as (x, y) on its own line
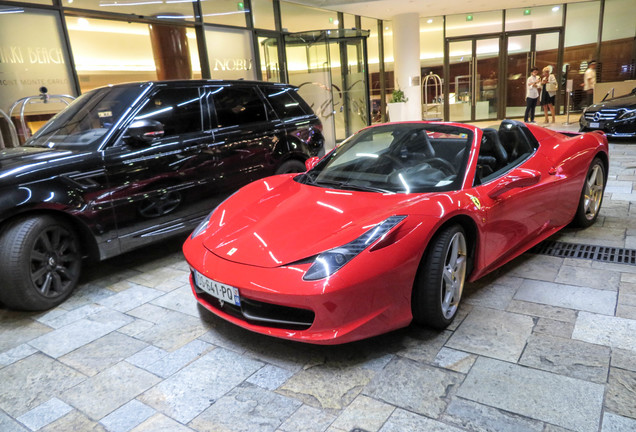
(135, 327)
(180, 300)
(194, 388)
(307, 419)
(327, 386)
(44, 414)
(247, 408)
(57, 320)
(623, 359)
(172, 362)
(491, 296)
(127, 416)
(606, 330)
(616, 423)
(539, 267)
(542, 310)
(151, 313)
(173, 332)
(270, 377)
(413, 386)
(16, 354)
(536, 394)
(554, 328)
(364, 413)
(103, 353)
(7, 424)
(568, 296)
(602, 236)
(131, 298)
(425, 347)
(18, 329)
(482, 418)
(458, 361)
(161, 423)
(33, 381)
(621, 392)
(493, 333)
(401, 421)
(567, 357)
(589, 277)
(74, 421)
(109, 390)
(78, 333)
(628, 312)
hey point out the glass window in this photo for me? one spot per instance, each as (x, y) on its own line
(617, 46)
(581, 33)
(268, 48)
(32, 59)
(349, 21)
(43, 2)
(535, 17)
(389, 64)
(432, 41)
(178, 109)
(263, 14)
(283, 102)
(230, 54)
(298, 18)
(472, 24)
(170, 10)
(227, 12)
(238, 106)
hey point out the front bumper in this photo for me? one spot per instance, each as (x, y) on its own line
(355, 303)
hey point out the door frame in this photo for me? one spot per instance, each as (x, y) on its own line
(533, 53)
(473, 61)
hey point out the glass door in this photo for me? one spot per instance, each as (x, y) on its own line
(268, 50)
(523, 52)
(329, 68)
(473, 76)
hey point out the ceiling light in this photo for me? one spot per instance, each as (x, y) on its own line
(430, 21)
(555, 9)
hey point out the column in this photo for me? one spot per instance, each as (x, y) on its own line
(406, 54)
(170, 51)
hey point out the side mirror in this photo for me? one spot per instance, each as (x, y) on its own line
(311, 162)
(518, 178)
(144, 131)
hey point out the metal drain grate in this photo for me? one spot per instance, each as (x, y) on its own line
(597, 253)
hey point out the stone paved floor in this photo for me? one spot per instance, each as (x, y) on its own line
(543, 344)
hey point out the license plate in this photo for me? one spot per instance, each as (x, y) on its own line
(216, 289)
(595, 124)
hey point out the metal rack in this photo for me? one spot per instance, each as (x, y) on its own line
(22, 103)
(433, 111)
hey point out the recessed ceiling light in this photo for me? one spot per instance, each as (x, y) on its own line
(430, 20)
(555, 9)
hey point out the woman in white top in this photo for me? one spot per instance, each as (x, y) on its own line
(533, 85)
(550, 86)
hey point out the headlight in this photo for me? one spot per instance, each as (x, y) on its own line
(202, 226)
(204, 223)
(329, 262)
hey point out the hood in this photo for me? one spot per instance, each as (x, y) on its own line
(22, 164)
(269, 225)
(627, 101)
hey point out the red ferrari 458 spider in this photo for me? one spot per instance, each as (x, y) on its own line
(388, 227)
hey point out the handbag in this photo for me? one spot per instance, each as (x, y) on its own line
(552, 86)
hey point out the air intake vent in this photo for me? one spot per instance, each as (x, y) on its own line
(592, 252)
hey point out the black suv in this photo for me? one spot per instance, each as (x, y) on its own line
(128, 165)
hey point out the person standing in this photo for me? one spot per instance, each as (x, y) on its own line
(548, 93)
(589, 81)
(533, 84)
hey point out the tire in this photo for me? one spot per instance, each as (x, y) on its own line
(291, 166)
(440, 279)
(591, 195)
(40, 263)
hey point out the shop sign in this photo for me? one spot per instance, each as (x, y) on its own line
(233, 64)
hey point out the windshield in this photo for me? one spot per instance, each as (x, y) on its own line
(396, 158)
(87, 119)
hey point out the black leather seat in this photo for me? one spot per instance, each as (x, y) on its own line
(492, 154)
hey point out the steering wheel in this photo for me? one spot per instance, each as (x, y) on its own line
(442, 164)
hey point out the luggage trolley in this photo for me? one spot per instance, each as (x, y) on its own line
(433, 111)
(24, 132)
